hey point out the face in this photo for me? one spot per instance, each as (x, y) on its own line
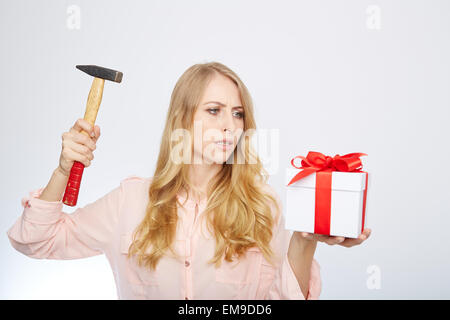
(220, 108)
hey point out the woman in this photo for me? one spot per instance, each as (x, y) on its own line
(206, 225)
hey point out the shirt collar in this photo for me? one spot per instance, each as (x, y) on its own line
(191, 203)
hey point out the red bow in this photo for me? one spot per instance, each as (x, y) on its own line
(316, 161)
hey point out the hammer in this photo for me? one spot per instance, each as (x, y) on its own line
(100, 74)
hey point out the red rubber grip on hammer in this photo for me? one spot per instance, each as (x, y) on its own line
(73, 184)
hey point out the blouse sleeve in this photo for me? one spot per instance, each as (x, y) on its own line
(44, 231)
(279, 282)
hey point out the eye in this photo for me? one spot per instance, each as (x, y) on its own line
(213, 109)
(240, 115)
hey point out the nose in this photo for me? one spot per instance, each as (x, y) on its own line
(228, 122)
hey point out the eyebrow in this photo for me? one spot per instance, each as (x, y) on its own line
(221, 104)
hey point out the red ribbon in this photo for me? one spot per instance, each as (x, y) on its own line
(323, 166)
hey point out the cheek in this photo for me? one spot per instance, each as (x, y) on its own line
(202, 136)
(209, 136)
(238, 133)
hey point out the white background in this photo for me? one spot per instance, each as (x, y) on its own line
(320, 72)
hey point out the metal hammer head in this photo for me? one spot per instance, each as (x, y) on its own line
(100, 72)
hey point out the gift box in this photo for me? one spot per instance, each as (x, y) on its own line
(327, 195)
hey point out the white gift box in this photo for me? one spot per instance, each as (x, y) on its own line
(347, 196)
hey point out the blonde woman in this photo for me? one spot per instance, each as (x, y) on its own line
(206, 225)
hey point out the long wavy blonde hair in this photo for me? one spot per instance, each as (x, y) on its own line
(238, 208)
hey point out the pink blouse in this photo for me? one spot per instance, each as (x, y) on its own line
(44, 231)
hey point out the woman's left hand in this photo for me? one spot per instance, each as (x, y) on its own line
(332, 240)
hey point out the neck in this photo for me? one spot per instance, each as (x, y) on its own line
(200, 175)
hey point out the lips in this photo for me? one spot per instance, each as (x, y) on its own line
(224, 142)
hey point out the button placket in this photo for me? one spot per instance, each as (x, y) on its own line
(187, 263)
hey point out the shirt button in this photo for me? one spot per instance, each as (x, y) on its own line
(186, 263)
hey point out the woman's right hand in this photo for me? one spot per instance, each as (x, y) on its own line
(78, 147)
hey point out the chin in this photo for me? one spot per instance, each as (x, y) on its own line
(218, 160)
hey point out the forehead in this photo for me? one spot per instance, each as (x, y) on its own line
(222, 89)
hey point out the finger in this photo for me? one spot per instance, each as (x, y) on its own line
(82, 124)
(320, 237)
(350, 242)
(84, 140)
(70, 154)
(306, 235)
(331, 240)
(367, 232)
(324, 238)
(337, 240)
(79, 148)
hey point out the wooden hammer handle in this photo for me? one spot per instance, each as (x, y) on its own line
(76, 173)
